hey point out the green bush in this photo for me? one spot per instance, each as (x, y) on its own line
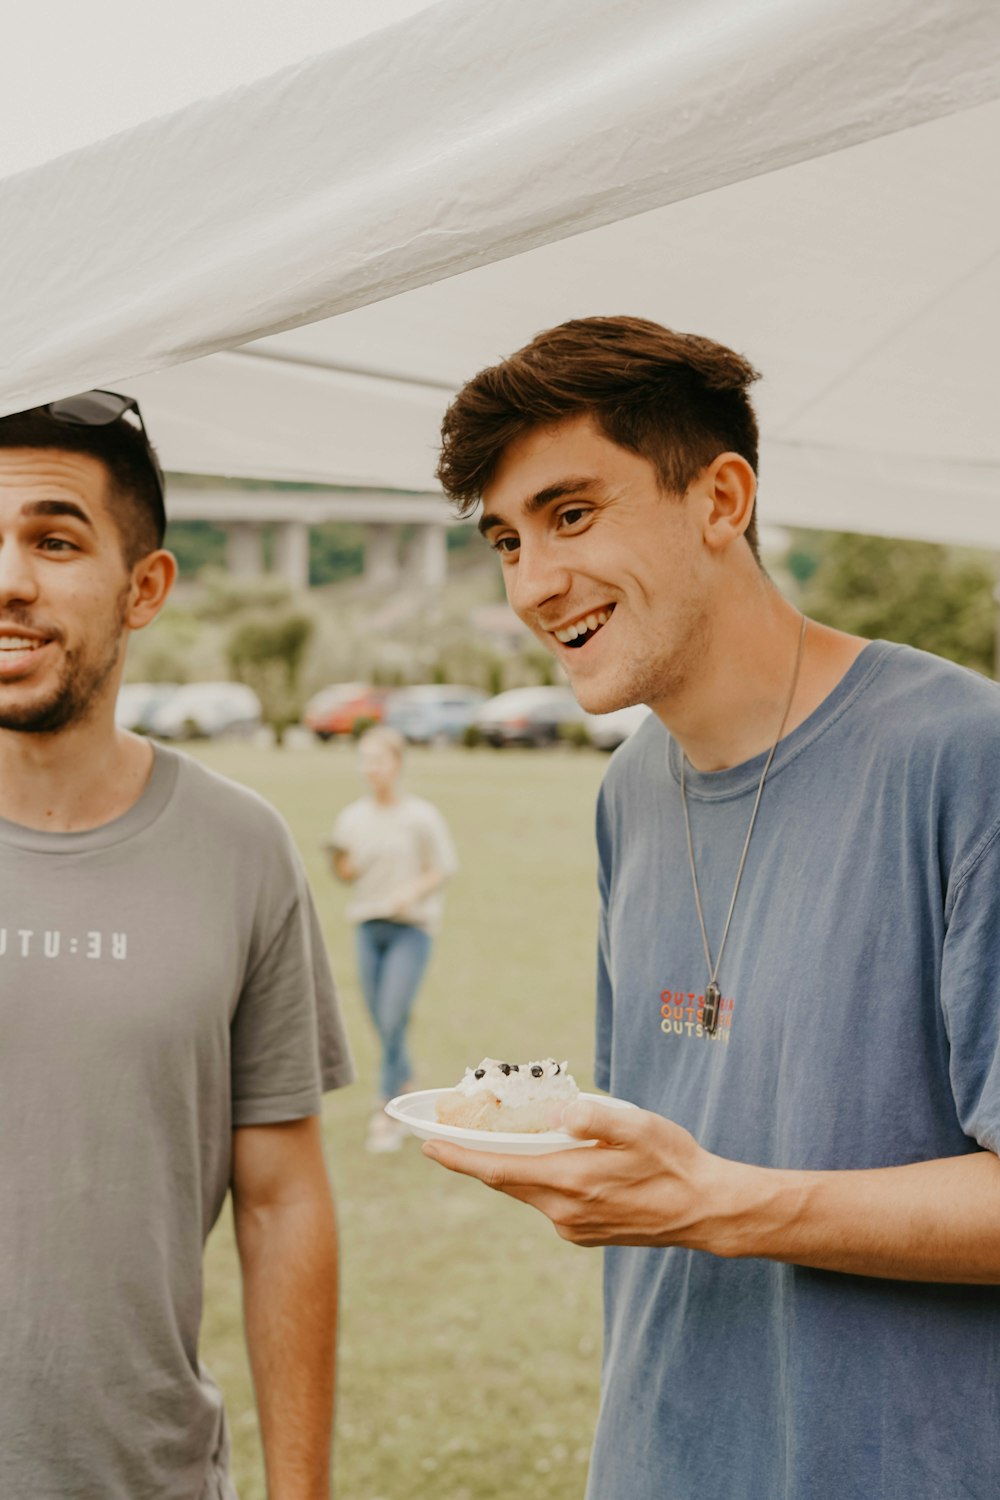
(223, 597)
(938, 599)
(266, 651)
(576, 735)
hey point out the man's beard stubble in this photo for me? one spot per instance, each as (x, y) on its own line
(659, 677)
(79, 687)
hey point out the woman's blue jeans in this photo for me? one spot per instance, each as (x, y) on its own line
(392, 957)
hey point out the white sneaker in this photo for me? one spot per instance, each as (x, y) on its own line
(384, 1134)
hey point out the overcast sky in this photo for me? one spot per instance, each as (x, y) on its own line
(73, 73)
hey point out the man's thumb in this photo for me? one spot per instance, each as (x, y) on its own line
(614, 1125)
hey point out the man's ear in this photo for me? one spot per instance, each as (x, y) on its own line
(152, 579)
(730, 488)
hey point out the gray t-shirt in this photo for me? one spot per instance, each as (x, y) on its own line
(162, 980)
(860, 1028)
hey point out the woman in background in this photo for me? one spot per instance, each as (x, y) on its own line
(396, 851)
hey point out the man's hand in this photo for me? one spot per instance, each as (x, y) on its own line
(646, 1182)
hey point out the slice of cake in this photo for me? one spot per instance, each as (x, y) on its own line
(507, 1096)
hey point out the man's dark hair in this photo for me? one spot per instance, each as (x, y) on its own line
(133, 494)
(676, 399)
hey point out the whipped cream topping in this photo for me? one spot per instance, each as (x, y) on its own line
(520, 1083)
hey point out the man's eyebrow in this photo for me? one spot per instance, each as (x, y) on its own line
(57, 508)
(542, 498)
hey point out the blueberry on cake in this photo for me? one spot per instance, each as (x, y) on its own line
(507, 1096)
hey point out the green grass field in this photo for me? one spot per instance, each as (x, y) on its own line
(470, 1333)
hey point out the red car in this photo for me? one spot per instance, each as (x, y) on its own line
(339, 708)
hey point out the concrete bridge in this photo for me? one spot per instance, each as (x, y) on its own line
(289, 514)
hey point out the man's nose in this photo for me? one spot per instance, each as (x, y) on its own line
(18, 582)
(540, 574)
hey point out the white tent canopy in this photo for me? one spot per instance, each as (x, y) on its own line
(810, 181)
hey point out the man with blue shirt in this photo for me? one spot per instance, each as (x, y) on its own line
(799, 957)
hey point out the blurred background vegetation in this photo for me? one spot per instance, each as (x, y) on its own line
(939, 599)
(336, 550)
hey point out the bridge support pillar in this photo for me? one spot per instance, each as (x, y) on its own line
(291, 553)
(427, 556)
(381, 554)
(244, 549)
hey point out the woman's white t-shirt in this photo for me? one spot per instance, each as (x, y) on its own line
(391, 845)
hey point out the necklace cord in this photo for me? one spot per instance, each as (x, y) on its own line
(713, 970)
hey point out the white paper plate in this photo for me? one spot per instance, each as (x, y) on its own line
(416, 1112)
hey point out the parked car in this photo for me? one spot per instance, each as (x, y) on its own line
(337, 709)
(433, 713)
(528, 716)
(207, 710)
(138, 702)
(608, 731)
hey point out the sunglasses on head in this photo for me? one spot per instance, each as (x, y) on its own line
(101, 409)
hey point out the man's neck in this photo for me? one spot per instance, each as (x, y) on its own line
(730, 707)
(82, 777)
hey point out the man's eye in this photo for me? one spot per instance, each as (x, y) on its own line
(506, 545)
(571, 517)
(58, 544)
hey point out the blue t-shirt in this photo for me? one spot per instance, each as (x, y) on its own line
(860, 1027)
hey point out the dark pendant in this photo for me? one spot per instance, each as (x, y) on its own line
(710, 1013)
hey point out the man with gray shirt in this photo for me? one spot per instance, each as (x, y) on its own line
(798, 977)
(167, 1024)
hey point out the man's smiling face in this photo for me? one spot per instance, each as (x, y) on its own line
(605, 568)
(64, 589)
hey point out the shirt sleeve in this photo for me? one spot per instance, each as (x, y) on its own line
(287, 1036)
(340, 837)
(970, 992)
(438, 849)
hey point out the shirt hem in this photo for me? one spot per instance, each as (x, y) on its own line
(276, 1108)
(338, 1076)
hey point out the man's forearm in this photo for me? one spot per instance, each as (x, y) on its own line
(648, 1182)
(288, 1255)
(929, 1221)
